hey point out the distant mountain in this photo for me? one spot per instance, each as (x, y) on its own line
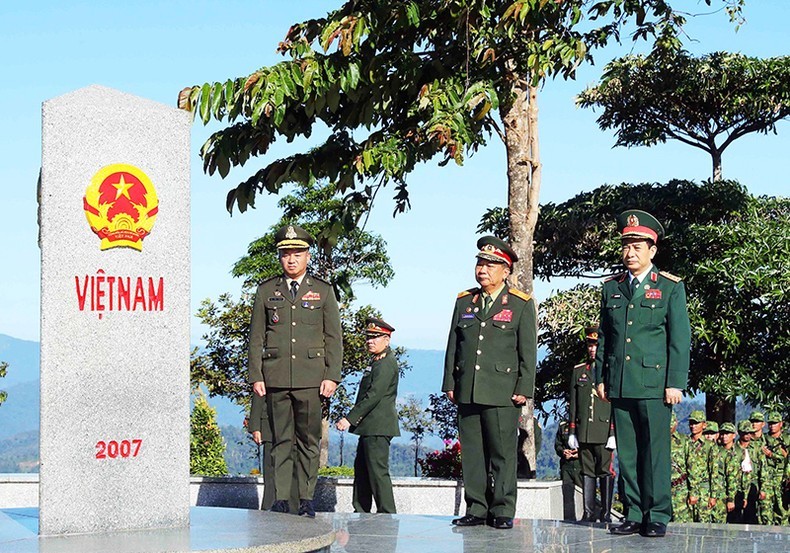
(23, 360)
(20, 411)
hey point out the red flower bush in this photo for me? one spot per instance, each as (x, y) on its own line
(445, 463)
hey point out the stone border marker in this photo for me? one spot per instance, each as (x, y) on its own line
(115, 281)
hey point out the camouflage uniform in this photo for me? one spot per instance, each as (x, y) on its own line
(699, 461)
(680, 478)
(772, 511)
(718, 513)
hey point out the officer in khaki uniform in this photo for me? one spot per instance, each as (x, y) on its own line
(642, 366)
(592, 432)
(489, 371)
(295, 354)
(374, 419)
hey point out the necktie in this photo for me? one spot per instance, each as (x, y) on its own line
(634, 285)
(294, 289)
(487, 301)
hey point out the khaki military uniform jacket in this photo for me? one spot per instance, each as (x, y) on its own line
(590, 416)
(645, 341)
(491, 357)
(295, 343)
(374, 412)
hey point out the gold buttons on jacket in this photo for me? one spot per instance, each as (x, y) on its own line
(628, 340)
(627, 357)
(477, 367)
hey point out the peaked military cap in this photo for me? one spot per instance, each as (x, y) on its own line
(712, 427)
(727, 428)
(757, 416)
(293, 237)
(591, 333)
(773, 416)
(494, 249)
(634, 223)
(744, 427)
(377, 327)
(697, 416)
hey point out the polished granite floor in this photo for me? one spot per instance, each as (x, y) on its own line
(434, 534)
(218, 529)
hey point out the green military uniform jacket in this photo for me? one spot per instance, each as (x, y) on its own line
(259, 418)
(491, 357)
(572, 467)
(295, 343)
(645, 341)
(374, 412)
(590, 416)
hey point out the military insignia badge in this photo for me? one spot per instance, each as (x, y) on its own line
(653, 294)
(633, 221)
(505, 316)
(275, 317)
(311, 296)
(504, 299)
(278, 293)
(290, 233)
(468, 309)
(467, 315)
(121, 205)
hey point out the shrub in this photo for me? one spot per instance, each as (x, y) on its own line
(445, 463)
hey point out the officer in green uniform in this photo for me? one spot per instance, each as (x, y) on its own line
(258, 425)
(489, 371)
(570, 470)
(679, 477)
(592, 432)
(642, 366)
(775, 448)
(731, 467)
(374, 419)
(295, 354)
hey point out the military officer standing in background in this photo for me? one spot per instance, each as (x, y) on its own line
(592, 433)
(374, 419)
(295, 354)
(489, 372)
(570, 470)
(642, 366)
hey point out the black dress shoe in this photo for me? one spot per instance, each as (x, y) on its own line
(280, 506)
(626, 529)
(655, 530)
(469, 520)
(306, 508)
(502, 523)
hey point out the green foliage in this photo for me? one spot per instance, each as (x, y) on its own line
(3, 370)
(341, 471)
(730, 248)
(562, 320)
(707, 102)
(401, 83)
(206, 446)
(414, 418)
(444, 415)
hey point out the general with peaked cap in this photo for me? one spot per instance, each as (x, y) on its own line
(294, 358)
(489, 371)
(592, 432)
(642, 366)
(374, 418)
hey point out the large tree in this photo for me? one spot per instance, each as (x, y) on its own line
(731, 249)
(399, 83)
(707, 102)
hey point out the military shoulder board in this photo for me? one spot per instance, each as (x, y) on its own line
(519, 294)
(670, 276)
(466, 293)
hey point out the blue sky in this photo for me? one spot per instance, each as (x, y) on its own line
(154, 49)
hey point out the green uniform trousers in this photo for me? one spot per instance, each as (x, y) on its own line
(643, 443)
(269, 482)
(596, 460)
(296, 431)
(372, 475)
(489, 437)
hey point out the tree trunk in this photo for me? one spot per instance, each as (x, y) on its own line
(716, 156)
(342, 443)
(323, 453)
(520, 121)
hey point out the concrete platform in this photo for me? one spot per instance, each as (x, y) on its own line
(434, 534)
(212, 529)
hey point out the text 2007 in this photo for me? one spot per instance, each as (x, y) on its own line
(113, 449)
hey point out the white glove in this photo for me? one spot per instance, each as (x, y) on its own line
(746, 464)
(611, 444)
(573, 443)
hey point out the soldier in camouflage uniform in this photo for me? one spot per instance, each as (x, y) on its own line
(698, 461)
(680, 477)
(731, 469)
(750, 461)
(715, 511)
(757, 418)
(570, 470)
(775, 448)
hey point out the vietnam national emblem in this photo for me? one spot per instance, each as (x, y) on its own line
(121, 205)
